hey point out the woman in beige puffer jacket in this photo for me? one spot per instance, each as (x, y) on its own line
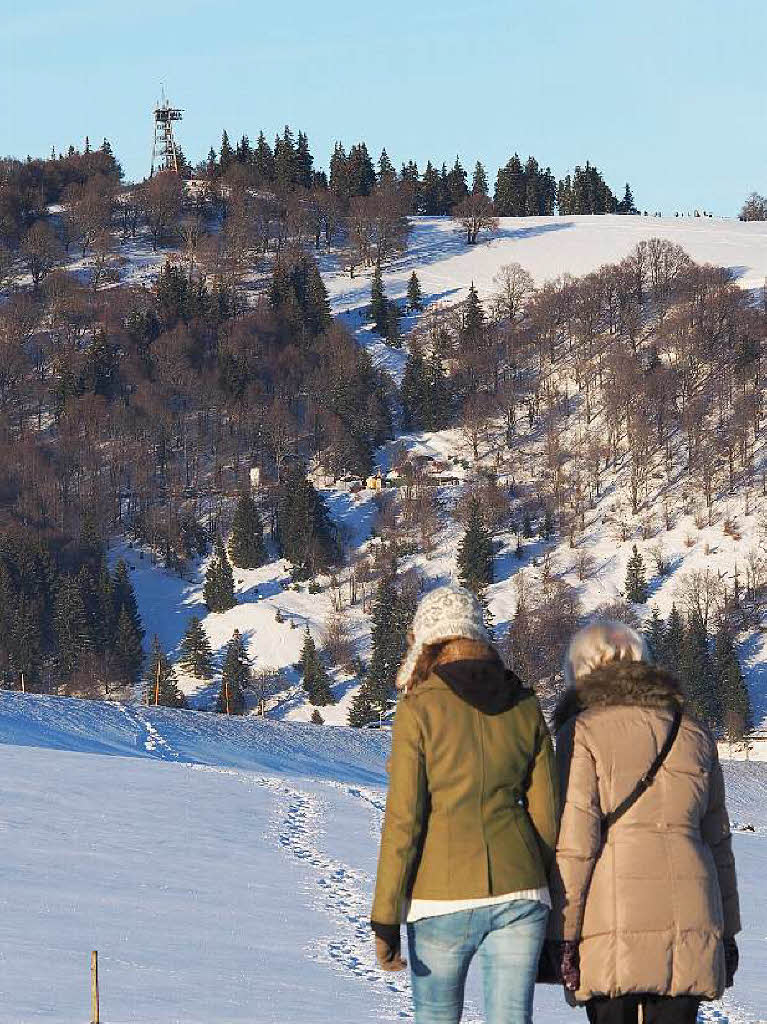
(648, 915)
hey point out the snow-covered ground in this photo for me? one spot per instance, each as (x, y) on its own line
(223, 869)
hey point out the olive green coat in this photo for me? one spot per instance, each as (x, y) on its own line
(471, 810)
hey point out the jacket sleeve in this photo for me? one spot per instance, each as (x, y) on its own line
(405, 817)
(580, 832)
(715, 828)
(543, 794)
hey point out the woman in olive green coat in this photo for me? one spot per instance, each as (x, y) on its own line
(471, 820)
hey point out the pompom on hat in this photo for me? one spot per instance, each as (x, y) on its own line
(445, 613)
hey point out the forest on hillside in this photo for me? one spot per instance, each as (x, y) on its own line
(140, 411)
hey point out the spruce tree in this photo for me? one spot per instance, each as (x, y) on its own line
(70, 624)
(246, 544)
(161, 686)
(304, 530)
(636, 584)
(196, 653)
(479, 184)
(315, 678)
(473, 326)
(379, 304)
(391, 617)
(124, 597)
(655, 632)
(362, 710)
(670, 656)
(218, 591)
(475, 552)
(235, 677)
(414, 390)
(317, 718)
(414, 293)
(733, 701)
(127, 647)
(697, 672)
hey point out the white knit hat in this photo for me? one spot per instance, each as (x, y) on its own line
(443, 614)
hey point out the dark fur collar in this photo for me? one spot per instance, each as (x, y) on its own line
(632, 683)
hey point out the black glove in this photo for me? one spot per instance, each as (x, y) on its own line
(388, 947)
(731, 958)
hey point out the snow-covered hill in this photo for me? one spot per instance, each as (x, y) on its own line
(223, 869)
(446, 266)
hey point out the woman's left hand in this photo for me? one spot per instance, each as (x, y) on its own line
(388, 954)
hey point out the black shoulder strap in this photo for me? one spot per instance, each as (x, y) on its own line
(647, 780)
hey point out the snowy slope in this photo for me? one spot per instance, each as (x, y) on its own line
(223, 869)
(446, 266)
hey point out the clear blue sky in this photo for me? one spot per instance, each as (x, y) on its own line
(669, 94)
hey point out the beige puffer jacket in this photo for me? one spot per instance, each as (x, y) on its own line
(651, 907)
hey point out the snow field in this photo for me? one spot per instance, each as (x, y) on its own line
(224, 868)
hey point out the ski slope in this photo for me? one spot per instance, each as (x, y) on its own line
(223, 869)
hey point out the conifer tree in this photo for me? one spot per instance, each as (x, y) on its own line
(473, 325)
(124, 597)
(475, 553)
(390, 621)
(436, 412)
(673, 640)
(636, 584)
(226, 157)
(235, 677)
(70, 623)
(414, 293)
(304, 530)
(386, 172)
(246, 544)
(218, 591)
(733, 701)
(414, 390)
(127, 647)
(196, 653)
(379, 304)
(317, 718)
(362, 710)
(655, 632)
(161, 686)
(479, 184)
(315, 678)
(697, 672)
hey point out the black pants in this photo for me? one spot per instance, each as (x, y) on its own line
(657, 1010)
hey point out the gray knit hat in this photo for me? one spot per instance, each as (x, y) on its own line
(443, 614)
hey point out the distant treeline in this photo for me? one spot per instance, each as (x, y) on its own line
(520, 189)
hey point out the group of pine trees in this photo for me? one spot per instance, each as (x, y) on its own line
(521, 190)
(286, 165)
(709, 671)
(70, 625)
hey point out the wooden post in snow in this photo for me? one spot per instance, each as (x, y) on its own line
(157, 685)
(23, 686)
(95, 987)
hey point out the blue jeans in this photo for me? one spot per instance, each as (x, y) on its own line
(508, 938)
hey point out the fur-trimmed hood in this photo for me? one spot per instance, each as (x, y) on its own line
(632, 683)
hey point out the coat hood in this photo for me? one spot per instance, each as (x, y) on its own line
(626, 683)
(483, 683)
